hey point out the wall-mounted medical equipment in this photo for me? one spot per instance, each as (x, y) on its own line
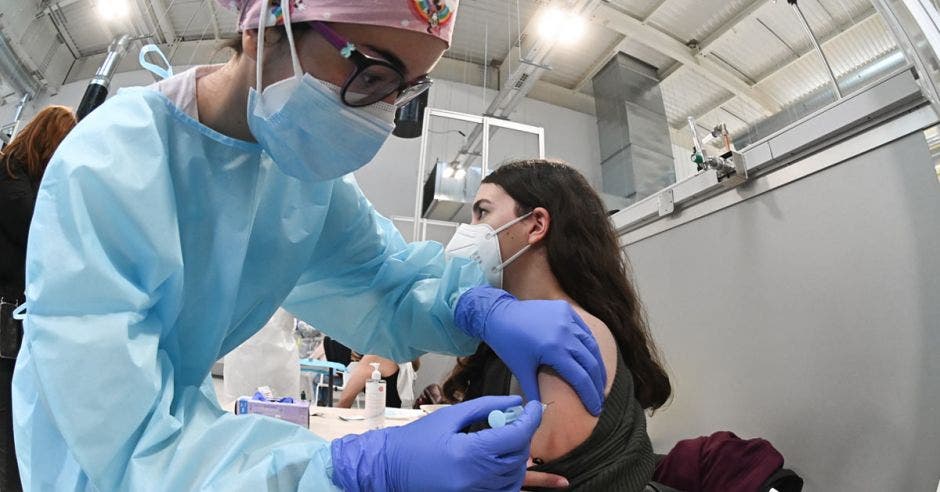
(729, 164)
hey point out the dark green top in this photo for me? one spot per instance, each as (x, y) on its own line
(617, 456)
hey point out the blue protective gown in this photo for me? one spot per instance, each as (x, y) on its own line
(159, 245)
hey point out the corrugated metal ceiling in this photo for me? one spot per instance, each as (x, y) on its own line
(767, 49)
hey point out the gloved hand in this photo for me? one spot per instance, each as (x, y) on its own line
(529, 334)
(433, 453)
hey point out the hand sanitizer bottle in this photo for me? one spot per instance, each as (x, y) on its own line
(375, 399)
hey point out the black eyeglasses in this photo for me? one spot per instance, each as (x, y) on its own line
(374, 79)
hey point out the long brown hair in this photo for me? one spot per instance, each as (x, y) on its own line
(34, 145)
(585, 257)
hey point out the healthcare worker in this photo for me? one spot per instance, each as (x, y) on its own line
(173, 222)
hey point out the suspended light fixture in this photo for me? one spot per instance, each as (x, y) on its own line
(564, 26)
(111, 10)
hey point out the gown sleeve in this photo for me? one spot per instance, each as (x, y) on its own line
(369, 289)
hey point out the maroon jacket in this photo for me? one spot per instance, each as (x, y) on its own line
(721, 462)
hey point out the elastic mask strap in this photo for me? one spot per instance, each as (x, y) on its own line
(511, 259)
(262, 27)
(163, 73)
(509, 224)
(294, 57)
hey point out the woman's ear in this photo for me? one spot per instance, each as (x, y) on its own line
(250, 40)
(541, 221)
(250, 43)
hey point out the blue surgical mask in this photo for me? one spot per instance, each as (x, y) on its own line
(306, 129)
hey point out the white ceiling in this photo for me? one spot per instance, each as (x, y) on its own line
(709, 53)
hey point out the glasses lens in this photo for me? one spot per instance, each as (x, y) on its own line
(412, 92)
(372, 84)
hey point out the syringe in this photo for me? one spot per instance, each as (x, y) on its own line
(499, 418)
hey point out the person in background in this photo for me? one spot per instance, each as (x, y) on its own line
(395, 375)
(545, 218)
(22, 165)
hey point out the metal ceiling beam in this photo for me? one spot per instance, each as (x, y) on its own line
(215, 21)
(619, 45)
(59, 4)
(616, 47)
(706, 44)
(57, 18)
(527, 69)
(160, 14)
(654, 11)
(824, 40)
(664, 43)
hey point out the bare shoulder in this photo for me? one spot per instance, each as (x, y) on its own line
(605, 341)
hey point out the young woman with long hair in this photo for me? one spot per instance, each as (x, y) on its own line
(561, 246)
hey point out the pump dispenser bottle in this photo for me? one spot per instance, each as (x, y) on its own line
(375, 399)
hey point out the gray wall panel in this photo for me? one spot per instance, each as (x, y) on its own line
(813, 321)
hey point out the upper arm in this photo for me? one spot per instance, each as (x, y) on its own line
(361, 373)
(565, 422)
(386, 367)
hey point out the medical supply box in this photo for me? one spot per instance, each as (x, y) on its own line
(298, 413)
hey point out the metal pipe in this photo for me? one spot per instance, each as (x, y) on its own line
(15, 72)
(851, 82)
(97, 90)
(116, 51)
(19, 114)
(812, 37)
(159, 10)
(696, 140)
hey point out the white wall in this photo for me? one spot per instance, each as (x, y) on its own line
(812, 321)
(389, 181)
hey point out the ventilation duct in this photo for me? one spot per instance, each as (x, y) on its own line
(448, 195)
(15, 72)
(636, 150)
(887, 65)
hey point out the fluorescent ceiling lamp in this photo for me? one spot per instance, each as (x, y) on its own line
(113, 9)
(561, 25)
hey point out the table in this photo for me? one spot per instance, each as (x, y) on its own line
(325, 422)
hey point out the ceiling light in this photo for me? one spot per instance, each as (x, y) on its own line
(113, 9)
(561, 25)
(449, 172)
(460, 174)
